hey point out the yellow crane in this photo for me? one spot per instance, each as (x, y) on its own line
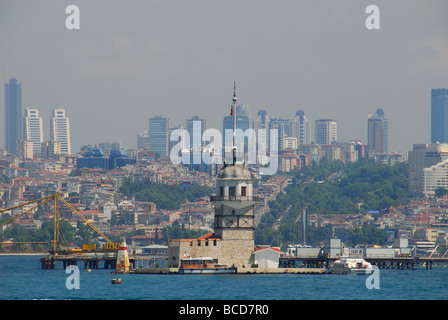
(57, 234)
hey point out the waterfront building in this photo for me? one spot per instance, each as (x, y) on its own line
(13, 115)
(301, 128)
(326, 131)
(158, 136)
(33, 129)
(377, 133)
(60, 130)
(232, 241)
(427, 168)
(439, 115)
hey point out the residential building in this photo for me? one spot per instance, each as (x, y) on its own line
(60, 130)
(49, 149)
(25, 149)
(439, 115)
(13, 115)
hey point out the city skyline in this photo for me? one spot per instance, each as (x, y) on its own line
(181, 59)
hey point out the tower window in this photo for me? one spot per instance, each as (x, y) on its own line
(243, 191)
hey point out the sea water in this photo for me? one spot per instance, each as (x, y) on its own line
(21, 278)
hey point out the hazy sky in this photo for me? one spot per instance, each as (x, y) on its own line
(131, 60)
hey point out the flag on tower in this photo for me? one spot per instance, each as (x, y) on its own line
(231, 110)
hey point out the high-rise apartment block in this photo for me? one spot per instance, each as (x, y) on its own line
(13, 115)
(439, 115)
(377, 132)
(301, 128)
(60, 130)
(158, 136)
(33, 130)
(326, 131)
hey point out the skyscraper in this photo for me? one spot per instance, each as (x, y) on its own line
(143, 140)
(13, 115)
(377, 132)
(158, 136)
(301, 128)
(32, 129)
(439, 115)
(196, 135)
(242, 122)
(262, 122)
(60, 130)
(326, 131)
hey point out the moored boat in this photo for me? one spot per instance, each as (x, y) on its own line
(203, 265)
(347, 265)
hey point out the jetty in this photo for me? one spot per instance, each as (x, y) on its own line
(239, 271)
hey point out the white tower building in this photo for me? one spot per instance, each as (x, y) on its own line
(60, 130)
(33, 130)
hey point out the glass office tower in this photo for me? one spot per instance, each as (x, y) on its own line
(439, 115)
(158, 136)
(13, 115)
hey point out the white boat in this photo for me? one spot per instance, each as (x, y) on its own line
(203, 265)
(346, 265)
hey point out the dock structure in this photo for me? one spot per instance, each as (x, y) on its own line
(90, 261)
(239, 271)
(399, 263)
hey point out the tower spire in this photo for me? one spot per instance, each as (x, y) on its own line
(234, 100)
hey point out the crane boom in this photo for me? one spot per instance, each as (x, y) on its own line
(86, 221)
